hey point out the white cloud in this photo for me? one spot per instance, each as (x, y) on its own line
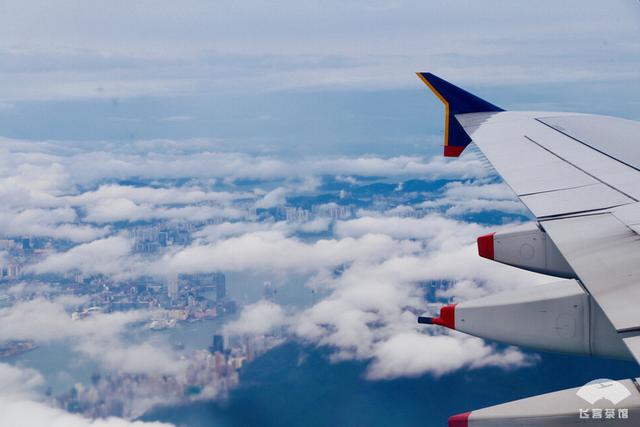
(369, 271)
(51, 173)
(461, 198)
(46, 321)
(21, 404)
(33, 182)
(437, 230)
(105, 256)
(476, 206)
(273, 198)
(18, 381)
(22, 412)
(149, 357)
(121, 209)
(112, 203)
(212, 233)
(100, 336)
(273, 251)
(370, 310)
(105, 338)
(58, 223)
(151, 195)
(371, 313)
(412, 354)
(91, 167)
(259, 318)
(479, 190)
(317, 225)
(373, 303)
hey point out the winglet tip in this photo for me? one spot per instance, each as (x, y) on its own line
(424, 76)
(453, 150)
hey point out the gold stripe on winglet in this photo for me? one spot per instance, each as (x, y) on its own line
(446, 107)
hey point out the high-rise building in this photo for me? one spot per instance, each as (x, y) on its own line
(269, 291)
(12, 272)
(221, 286)
(163, 238)
(172, 288)
(230, 306)
(201, 280)
(217, 344)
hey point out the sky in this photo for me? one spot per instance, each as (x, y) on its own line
(124, 49)
(280, 94)
(303, 76)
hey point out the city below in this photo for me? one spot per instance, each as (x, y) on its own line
(170, 303)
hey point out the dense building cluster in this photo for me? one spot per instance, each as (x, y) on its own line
(210, 373)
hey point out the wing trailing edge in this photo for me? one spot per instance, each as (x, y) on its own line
(456, 101)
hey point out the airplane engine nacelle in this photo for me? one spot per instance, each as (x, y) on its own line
(526, 247)
(558, 317)
(563, 408)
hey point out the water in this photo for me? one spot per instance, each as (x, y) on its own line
(193, 335)
(62, 367)
(295, 385)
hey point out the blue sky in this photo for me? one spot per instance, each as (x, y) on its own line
(305, 76)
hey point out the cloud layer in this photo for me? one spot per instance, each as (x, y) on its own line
(373, 269)
(22, 406)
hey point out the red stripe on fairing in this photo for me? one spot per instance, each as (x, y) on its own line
(453, 150)
(460, 420)
(447, 317)
(485, 246)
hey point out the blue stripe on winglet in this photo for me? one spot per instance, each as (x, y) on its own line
(456, 101)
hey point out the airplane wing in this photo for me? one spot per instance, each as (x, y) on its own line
(579, 175)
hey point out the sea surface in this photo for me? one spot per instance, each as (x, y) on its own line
(296, 385)
(62, 367)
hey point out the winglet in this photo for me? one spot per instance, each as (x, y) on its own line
(456, 101)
